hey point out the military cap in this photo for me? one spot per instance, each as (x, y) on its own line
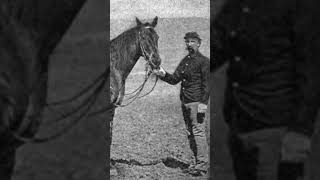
(192, 35)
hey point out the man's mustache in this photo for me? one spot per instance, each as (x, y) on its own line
(190, 49)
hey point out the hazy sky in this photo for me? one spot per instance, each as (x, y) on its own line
(128, 9)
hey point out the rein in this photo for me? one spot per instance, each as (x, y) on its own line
(147, 75)
(138, 91)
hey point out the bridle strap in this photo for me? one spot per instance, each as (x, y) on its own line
(144, 53)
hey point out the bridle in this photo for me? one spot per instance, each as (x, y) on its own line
(148, 72)
(143, 50)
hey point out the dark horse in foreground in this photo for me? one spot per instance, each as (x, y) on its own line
(125, 51)
(29, 31)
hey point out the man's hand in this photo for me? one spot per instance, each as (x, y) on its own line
(202, 108)
(295, 147)
(159, 72)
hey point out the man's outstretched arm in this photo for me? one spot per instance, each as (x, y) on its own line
(172, 79)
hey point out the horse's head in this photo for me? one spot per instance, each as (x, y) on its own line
(148, 42)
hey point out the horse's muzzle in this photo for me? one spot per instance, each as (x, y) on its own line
(156, 62)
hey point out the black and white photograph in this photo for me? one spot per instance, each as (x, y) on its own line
(51, 52)
(159, 87)
(265, 89)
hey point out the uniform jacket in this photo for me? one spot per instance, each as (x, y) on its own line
(272, 47)
(193, 72)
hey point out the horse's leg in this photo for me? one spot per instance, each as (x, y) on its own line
(111, 168)
(112, 111)
(115, 86)
(121, 93)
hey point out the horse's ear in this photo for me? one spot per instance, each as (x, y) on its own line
(154, 22)
(138, 22)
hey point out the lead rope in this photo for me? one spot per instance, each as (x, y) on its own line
(134, 97)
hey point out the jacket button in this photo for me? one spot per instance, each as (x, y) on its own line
(187, 64)
(235, 84)
(237, 58)
(182, 72)
(233, 33)
(246, 9)
(183, 80)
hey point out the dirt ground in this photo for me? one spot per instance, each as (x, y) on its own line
(151, 131)
(149, 136)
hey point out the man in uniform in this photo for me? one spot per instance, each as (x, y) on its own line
(273, 86)
(193, 73)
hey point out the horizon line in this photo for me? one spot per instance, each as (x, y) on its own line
(172, 17)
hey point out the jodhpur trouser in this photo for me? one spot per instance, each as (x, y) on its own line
(195, 125)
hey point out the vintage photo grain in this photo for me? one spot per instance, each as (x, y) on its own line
(159, 65)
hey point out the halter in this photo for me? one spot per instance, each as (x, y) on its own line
(147, 75)
(147, 58)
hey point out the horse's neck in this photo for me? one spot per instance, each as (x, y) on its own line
(123, 59)
(124, 65)
(128, 68)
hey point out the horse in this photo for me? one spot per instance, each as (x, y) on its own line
(29, 32)
(125, 51)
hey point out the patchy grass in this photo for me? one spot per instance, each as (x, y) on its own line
(149, 130)
(152, 128)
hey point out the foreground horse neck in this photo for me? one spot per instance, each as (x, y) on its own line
(124, 65)
(125, 52)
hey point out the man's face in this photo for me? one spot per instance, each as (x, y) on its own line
(192, 45)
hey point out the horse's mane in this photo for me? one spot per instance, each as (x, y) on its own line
(122, 43)
(125, 35)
